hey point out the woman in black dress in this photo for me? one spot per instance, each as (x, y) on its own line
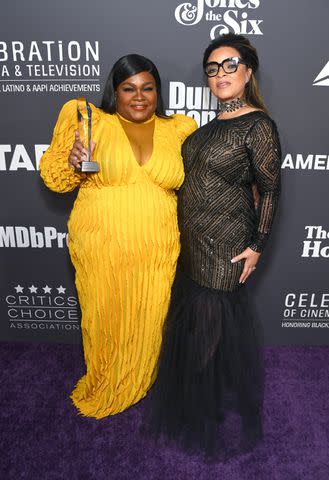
(211, 360)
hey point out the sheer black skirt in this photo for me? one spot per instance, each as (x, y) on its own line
(208, 395)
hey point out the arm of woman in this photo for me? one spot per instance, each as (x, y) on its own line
(265, 153)
(57, 163)
(184, 125)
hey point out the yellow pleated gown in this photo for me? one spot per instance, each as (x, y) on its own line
(124, 244)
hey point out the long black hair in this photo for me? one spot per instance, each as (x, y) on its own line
(124, 68)
(249, 55)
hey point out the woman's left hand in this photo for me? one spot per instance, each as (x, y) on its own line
(252, 258)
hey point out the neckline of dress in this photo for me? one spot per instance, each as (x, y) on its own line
(136, 123)
(239, 116)
(130, 146)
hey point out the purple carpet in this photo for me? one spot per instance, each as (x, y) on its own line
(42, 437)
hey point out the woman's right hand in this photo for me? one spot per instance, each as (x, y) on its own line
(78, 153)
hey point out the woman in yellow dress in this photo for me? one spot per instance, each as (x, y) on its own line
(123, 233)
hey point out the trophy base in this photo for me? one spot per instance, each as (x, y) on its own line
(89, 167)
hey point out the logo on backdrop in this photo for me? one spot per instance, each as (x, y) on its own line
(30, 237)
(316, 244)
(42, 307)
(226, 15)
(54, 66)
(309, 161)
(20, 157)
(322, 79)
(196, 102)
(306, 310)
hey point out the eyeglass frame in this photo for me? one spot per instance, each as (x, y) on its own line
(238, 61)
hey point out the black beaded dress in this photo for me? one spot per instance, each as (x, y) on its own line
(210, 368)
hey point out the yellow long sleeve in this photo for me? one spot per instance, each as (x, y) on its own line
(54, 168)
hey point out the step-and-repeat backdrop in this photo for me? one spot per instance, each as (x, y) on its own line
(51, 52)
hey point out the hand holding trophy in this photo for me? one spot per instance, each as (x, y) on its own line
(81, 154)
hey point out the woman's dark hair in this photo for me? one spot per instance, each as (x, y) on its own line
(248, 53)
(124, 68)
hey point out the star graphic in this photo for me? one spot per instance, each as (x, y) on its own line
(19, 289)
(46, 289)
(33, 289)
(61, 289)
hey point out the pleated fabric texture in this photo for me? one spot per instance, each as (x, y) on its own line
(210, 371)
(124, 244)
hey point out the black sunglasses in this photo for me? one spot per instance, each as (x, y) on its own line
(229, 65)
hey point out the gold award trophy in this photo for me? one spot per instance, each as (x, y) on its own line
(84, 122)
